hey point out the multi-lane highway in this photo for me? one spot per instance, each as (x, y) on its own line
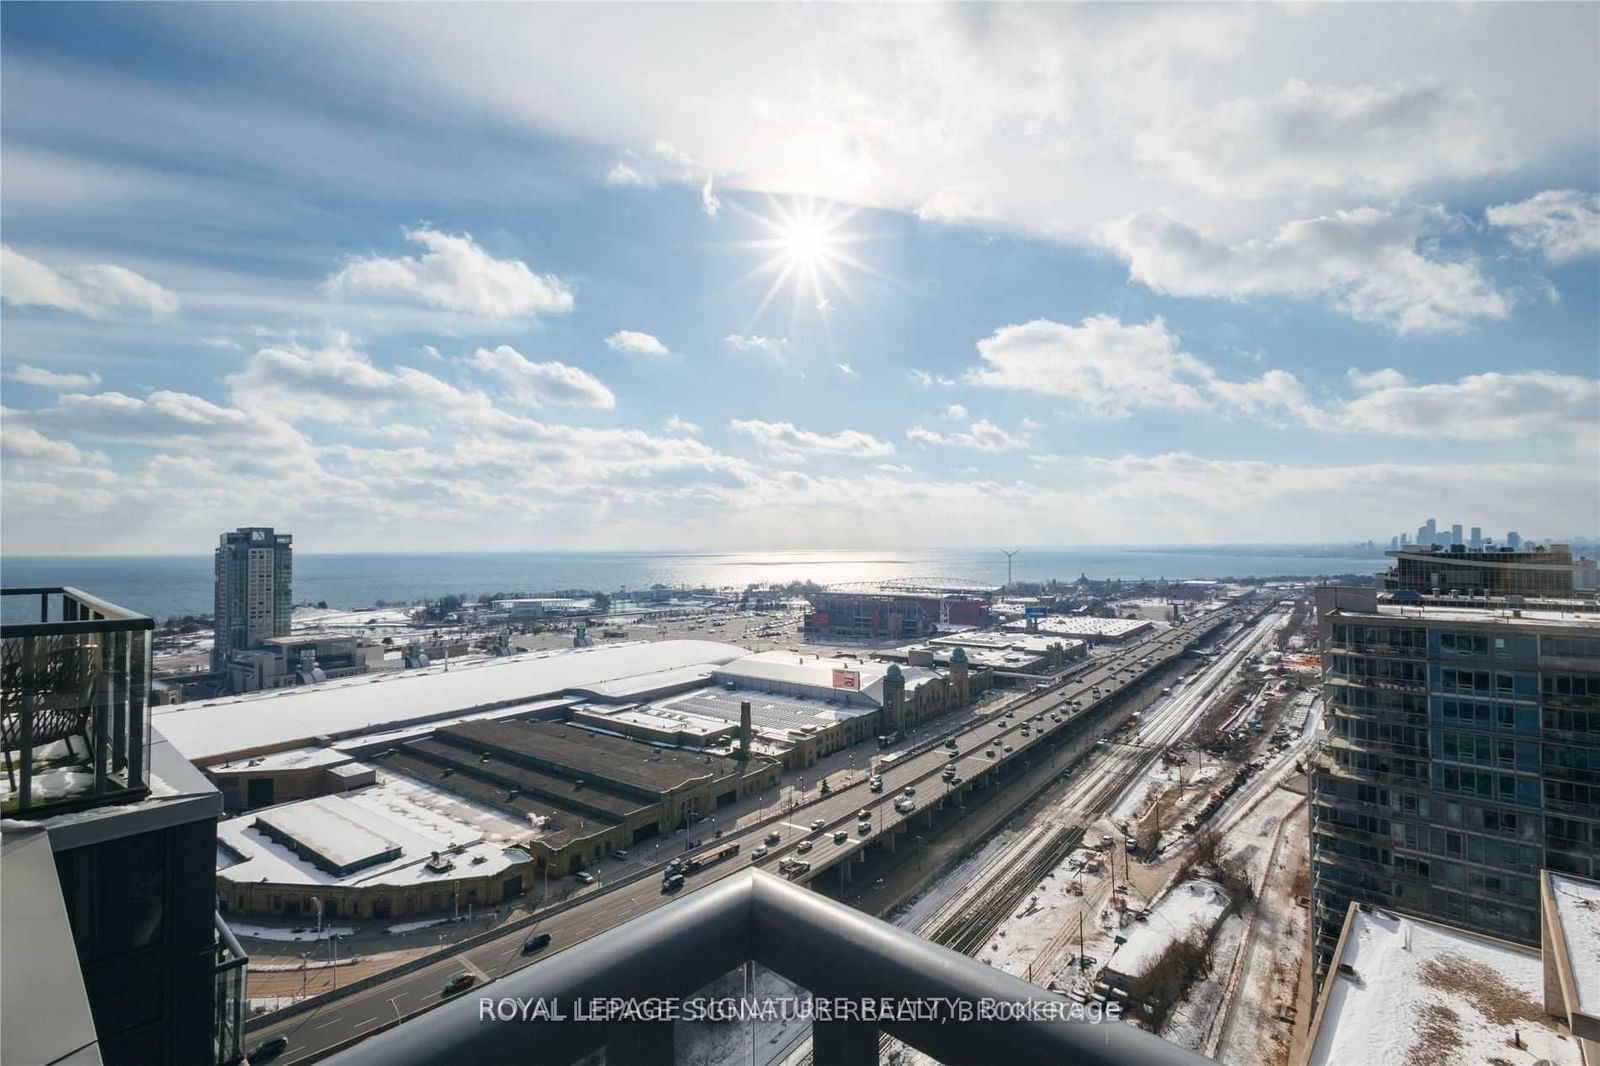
(313, 1033)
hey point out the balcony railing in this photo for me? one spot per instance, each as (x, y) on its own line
(74, 704)
(864, 975)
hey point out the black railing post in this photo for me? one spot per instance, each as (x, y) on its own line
(100, 713)
(25, 795)
(138, 706)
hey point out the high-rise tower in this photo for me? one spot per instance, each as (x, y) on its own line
(254, 569)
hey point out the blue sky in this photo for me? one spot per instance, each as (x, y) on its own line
(737, 277)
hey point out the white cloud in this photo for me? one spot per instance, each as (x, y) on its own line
(1388, 378)
(635, 343)
(1348, 138)
(95, 290)
(786, 440)
(674, 424)
(928, 379)
(1103, 366)
(955, 411)
(624, 175)
(1512, 406)
(709, 203)
(982, 435)
(456, 275)
(1370, 264)
(848, 371)
(1562, 223)
(175, 420)
(222, 344)
(19, 441)
(50, 379)
(543, 384)
(338, 383)
(769, 346)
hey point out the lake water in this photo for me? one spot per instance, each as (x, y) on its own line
(168, 586)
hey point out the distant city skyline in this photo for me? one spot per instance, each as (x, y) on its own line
(1092, 274)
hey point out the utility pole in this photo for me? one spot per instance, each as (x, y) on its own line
(1081, 967)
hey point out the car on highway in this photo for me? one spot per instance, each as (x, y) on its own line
(864, 828)
(459, 983)
(619, 855)
(268, 1050)
(671, 884)
(909, 790)
(536, 942)
(864, 814)
(818, 823)
(904, 806)
(1008, 749)
(758, 853)
(773, 837)
(803, 847)
(840, 837)
(584, 877)
(990, 753)
(875, 785)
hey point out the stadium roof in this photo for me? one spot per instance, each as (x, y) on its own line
(211, 729)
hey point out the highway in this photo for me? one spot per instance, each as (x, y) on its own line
(314, 1033)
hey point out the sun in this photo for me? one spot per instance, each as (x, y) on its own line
(805, 248)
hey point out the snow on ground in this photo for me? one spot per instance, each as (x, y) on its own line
(51, 785)
(759, 1042)
(296, 967)
(1190, 909)
(925, 906)
(270, 932)
(1191, 1019)
(412, 927)
(1421, 993)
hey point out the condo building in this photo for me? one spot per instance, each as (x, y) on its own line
(1462, 756)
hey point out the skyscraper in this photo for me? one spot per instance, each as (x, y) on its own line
(254, 568)
(1429, 533)
(1513, 540)
(1455, 534)
(1477, 538)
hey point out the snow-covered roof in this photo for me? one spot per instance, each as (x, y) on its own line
(1408, 990)
(812, 671)
(1190, 909)
(1084, 625)
(210, 729)
(1577, 903)
(397, 811)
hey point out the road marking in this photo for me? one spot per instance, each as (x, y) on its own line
(363, 1023)
(330, 1021)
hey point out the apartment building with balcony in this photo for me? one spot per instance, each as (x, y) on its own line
(114, 951)
(1462, 756)
(254, 577)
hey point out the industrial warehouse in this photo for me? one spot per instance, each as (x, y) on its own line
(402, 794)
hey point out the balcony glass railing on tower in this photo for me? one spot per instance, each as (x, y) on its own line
(74, 693)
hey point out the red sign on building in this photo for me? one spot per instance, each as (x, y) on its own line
(850, 679)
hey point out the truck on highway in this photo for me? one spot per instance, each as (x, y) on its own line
(700, 862)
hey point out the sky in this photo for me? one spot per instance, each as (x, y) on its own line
(401, 278)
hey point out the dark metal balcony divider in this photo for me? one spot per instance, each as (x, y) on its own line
(85, 675)
(829, 949)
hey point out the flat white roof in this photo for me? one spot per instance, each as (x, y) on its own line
(1578, 904)
(404, 811)
(787, 667)
(210, 729)
(1428, 613)
(1190, 909)
(1422, 992)
(1083, 624)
